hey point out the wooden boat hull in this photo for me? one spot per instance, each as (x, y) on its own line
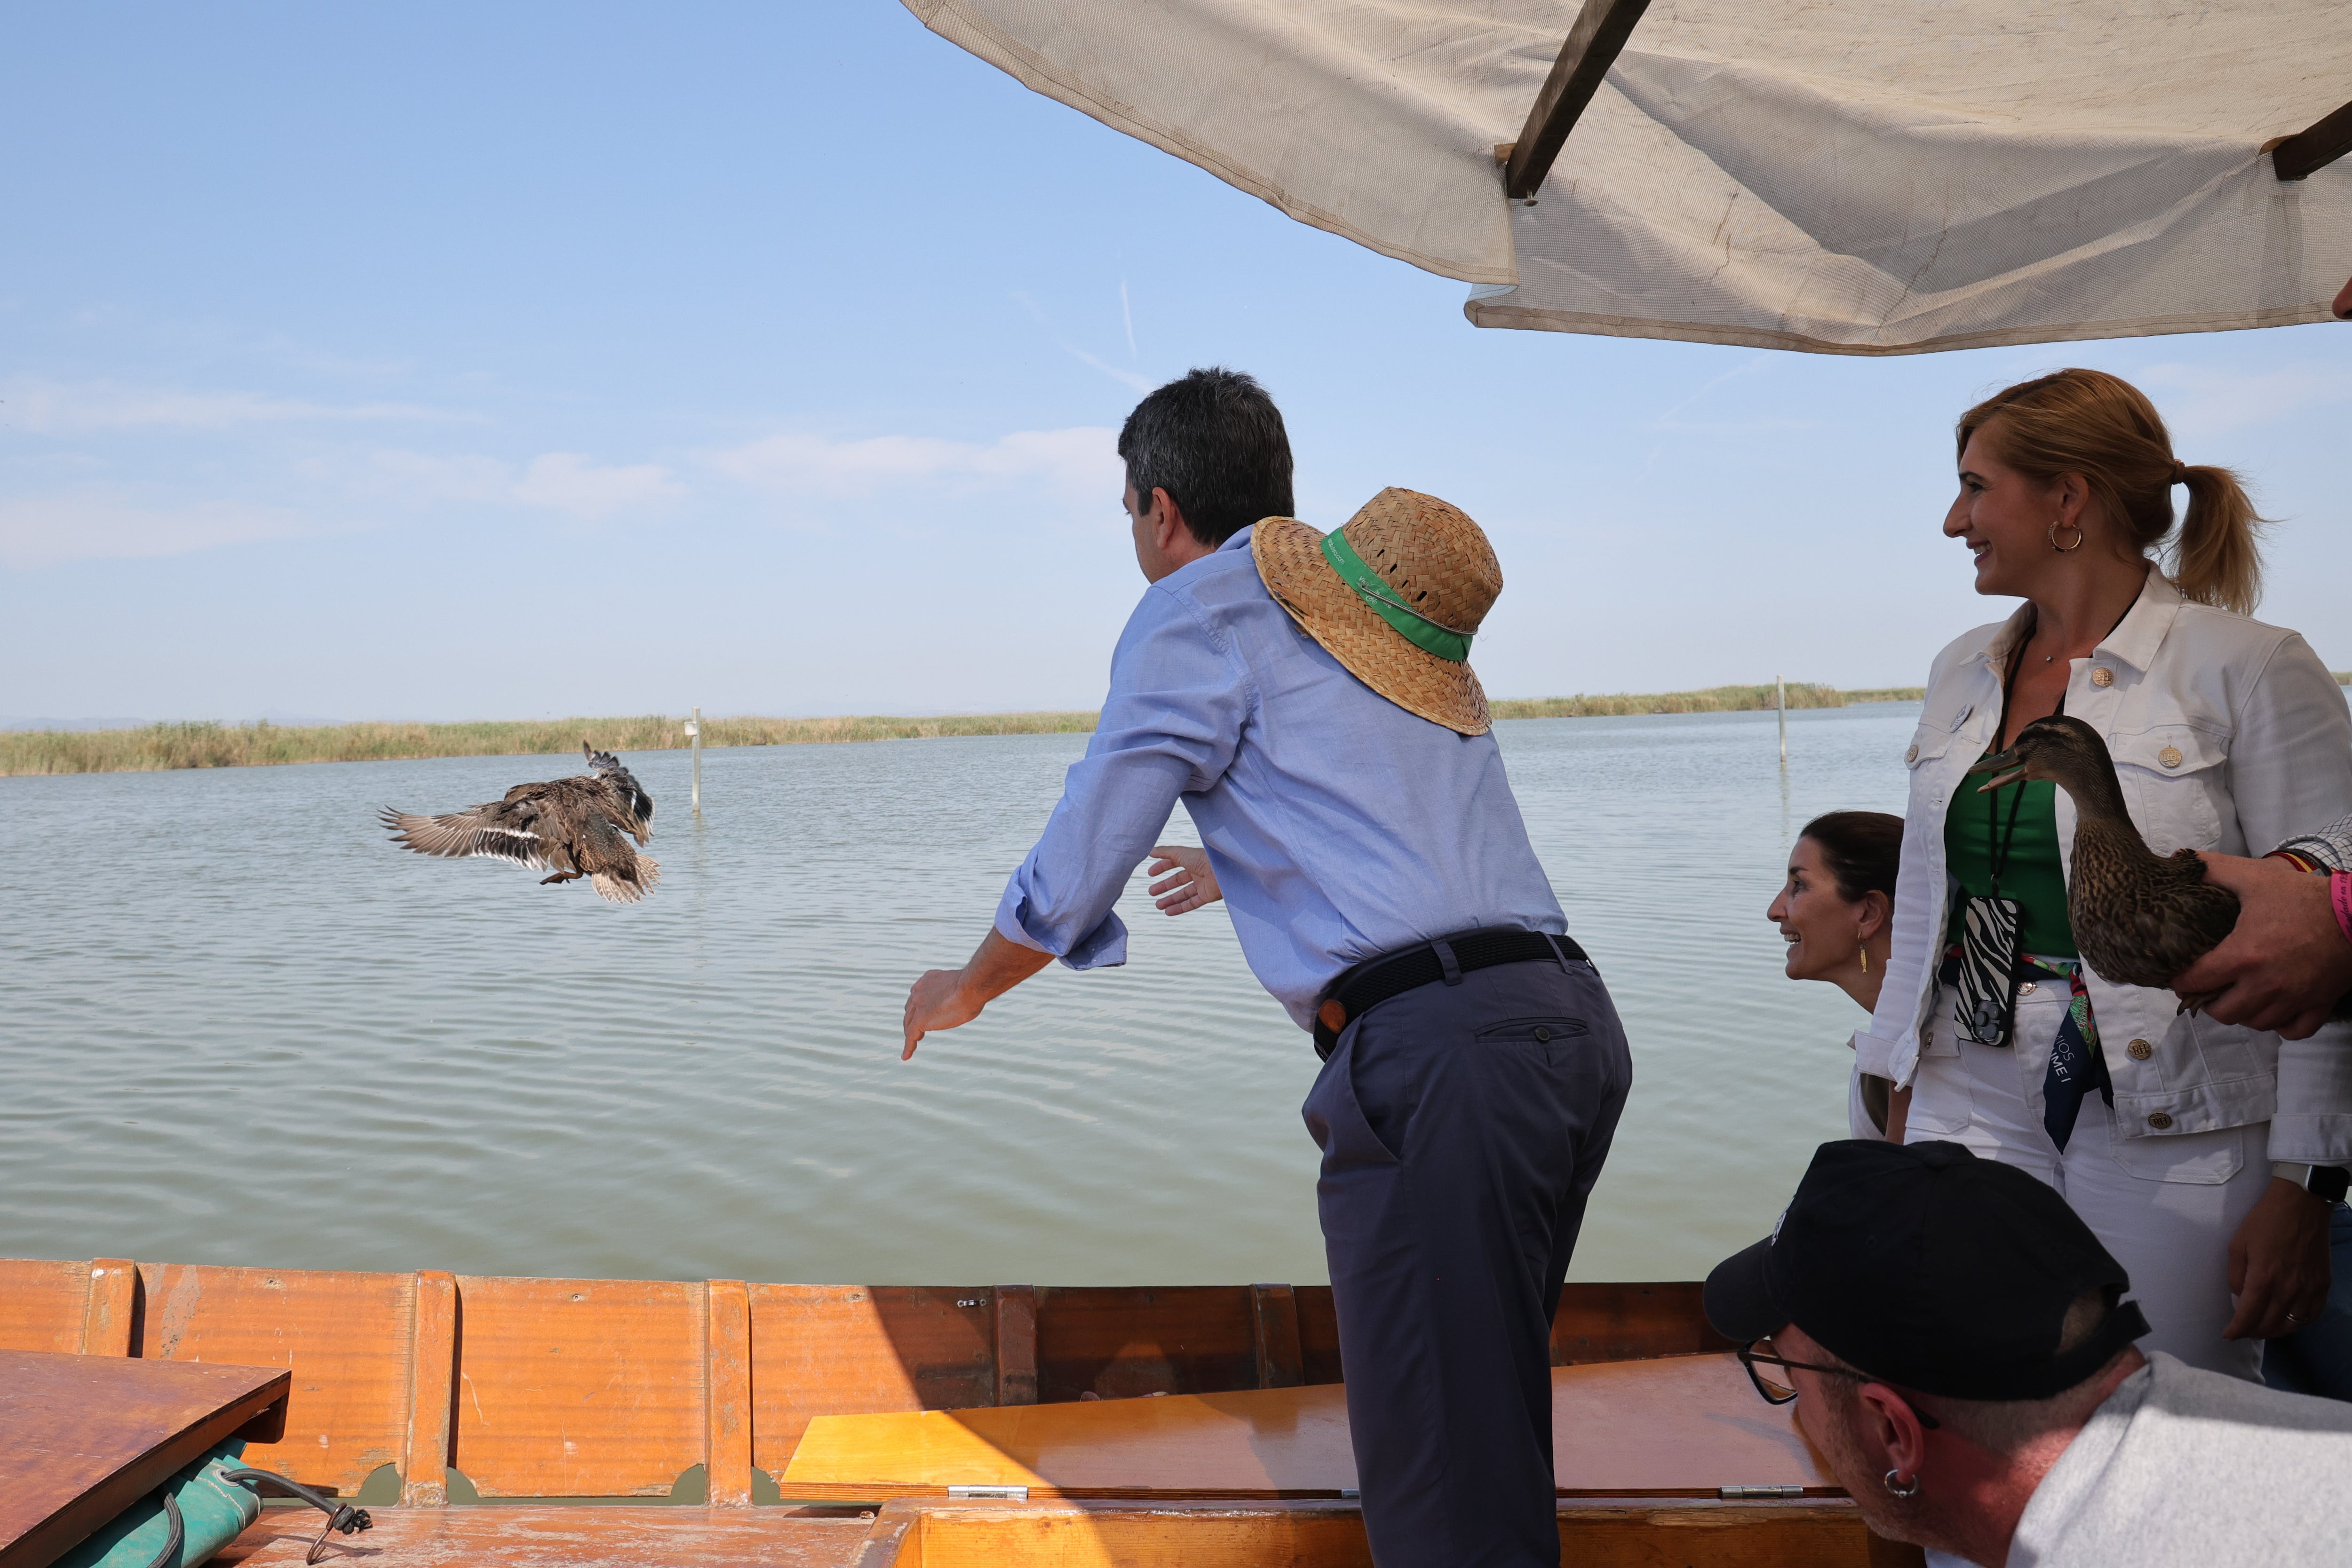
(434, 1391)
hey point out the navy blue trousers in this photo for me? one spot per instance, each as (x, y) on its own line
(1462, 1129)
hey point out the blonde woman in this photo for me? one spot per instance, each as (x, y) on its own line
(2161, 1129)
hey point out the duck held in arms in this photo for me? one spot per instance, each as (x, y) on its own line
(2140, 918)
(574, 827)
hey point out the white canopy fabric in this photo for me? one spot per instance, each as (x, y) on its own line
(1857, 176)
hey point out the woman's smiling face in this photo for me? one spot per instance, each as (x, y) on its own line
(1822, 930)
(2006, 520)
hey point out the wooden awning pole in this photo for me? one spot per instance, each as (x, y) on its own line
(2314, 147)
(1592, 47)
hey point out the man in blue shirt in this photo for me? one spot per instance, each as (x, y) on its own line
(1308, 698)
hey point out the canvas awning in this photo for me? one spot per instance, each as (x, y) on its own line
(1857, 176)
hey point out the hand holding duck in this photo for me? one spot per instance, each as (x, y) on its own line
(2286, 965)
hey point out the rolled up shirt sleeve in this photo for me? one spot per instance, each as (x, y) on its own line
(2330, 846)
(1179, 699)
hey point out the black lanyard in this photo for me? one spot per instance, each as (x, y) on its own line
(2004, 833)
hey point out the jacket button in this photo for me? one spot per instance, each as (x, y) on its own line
(2159, 1120)
(1911, 755)
(2169, 757)
(2103, 676)
(2139, 1051)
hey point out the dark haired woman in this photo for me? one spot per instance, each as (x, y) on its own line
(1834, 914)
(2161, 1128)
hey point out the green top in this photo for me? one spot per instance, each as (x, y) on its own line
(2033, 874)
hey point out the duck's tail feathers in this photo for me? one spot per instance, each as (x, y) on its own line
(628, 890)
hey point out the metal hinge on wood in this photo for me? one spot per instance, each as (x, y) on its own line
(1736, 1494)
(965, 1494)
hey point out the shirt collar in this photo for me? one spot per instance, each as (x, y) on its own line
(1238, 539)
(2010, 638)
(2134, 641)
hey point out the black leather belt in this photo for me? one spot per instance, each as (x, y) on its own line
(1446, 958)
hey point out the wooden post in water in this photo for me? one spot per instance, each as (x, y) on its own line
(1780, 698)
(694, 733)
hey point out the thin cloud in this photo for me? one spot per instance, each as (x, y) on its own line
(568, 481)
(60, 409)
(1125, 378)
(45, 531)
(1079, 462)
(405, 475)
(2198, 400)
(1664, 421)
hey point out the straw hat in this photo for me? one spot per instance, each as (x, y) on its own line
(1395, 595)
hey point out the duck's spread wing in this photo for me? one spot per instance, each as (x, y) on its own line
(503, 829)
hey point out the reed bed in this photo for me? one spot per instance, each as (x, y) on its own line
(160, 746)
(1713, 699)
(157, 747)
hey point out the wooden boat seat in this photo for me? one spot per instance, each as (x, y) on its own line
(525, 1535)
(1598, 1532)
(1595, 1532)
(1687, 1425)
(88, 1436)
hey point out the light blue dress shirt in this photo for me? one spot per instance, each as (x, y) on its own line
(1340, 826)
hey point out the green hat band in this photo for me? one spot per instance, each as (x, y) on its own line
(1374, 590)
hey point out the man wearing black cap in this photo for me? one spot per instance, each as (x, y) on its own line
(1961, 1354)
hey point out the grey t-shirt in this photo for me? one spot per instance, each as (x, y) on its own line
(2186, 1469)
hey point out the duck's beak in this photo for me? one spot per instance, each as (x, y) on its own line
(2006, 767)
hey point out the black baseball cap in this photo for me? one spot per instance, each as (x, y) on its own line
(1923, 1265)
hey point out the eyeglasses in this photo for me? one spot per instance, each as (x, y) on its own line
(1776, 1392)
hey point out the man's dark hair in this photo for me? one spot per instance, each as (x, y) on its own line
(1214, 441)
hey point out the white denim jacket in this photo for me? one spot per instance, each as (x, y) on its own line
(2227, 734)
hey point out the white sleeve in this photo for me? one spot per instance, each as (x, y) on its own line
(2290, 767)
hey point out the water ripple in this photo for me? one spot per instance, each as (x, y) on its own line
(238, 1026)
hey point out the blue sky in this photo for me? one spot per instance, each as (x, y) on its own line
(442, 363)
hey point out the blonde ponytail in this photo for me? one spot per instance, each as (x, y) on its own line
(2104, 429)
(2218, 558)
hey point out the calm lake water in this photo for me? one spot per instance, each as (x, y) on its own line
(238, 1026)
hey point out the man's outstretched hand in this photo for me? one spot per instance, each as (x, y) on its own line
(943, 999)
(1193, 885)
(2285, 963)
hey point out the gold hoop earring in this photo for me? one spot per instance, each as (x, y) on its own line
(2061, 523)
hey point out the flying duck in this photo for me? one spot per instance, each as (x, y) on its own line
(576, 827)
(2139, 917)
